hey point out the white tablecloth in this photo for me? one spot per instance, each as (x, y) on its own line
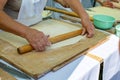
(109, 51)
(88, 69)
(110, 54)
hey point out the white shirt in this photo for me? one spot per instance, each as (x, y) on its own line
(30, 11)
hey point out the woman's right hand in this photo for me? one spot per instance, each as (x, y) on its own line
(37, 39)
(116, 1)
(108, 4)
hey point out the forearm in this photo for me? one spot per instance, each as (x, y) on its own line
(2, 4)
(10, 25)
(77, 7)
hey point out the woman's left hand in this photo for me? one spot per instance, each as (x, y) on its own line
(88, 27)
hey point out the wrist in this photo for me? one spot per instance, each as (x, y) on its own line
(84, 16)
(23, 31)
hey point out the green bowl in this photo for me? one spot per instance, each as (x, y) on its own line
(103, 21)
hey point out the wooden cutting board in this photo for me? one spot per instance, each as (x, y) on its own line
(106, 11)
(37, 64)
(6, 76)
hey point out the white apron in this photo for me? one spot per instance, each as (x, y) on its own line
(31, 11)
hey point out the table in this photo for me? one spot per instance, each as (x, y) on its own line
(83, 65)
(109, 52)
(86, 69)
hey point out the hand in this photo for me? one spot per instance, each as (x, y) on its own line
(88, 27)
(116, 1)
(108, 4)
(37, 39)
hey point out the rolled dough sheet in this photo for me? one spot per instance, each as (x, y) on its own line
(49, 27)
(6, 76)
(106, 11)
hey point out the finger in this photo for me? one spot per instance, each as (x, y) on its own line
(109, 6)
(41, 48)
(116, 1)
(35, 47)
(45, 40)
(39, 44)
(48, 42)
(47, 36)
(83, 31)
(91, 32)
(89, 35)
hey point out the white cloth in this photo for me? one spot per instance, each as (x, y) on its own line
(109, 51)
(86, 69)
(30, 11)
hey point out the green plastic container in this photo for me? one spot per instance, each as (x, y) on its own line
(103, 21)
(117, 30)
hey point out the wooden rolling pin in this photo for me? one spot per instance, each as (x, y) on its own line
(64, 12)
(28, 47)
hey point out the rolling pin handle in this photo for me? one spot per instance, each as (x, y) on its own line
(28, 47)
(24, 49)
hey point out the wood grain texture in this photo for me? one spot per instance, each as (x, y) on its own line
(37, 64)
(6, 76)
